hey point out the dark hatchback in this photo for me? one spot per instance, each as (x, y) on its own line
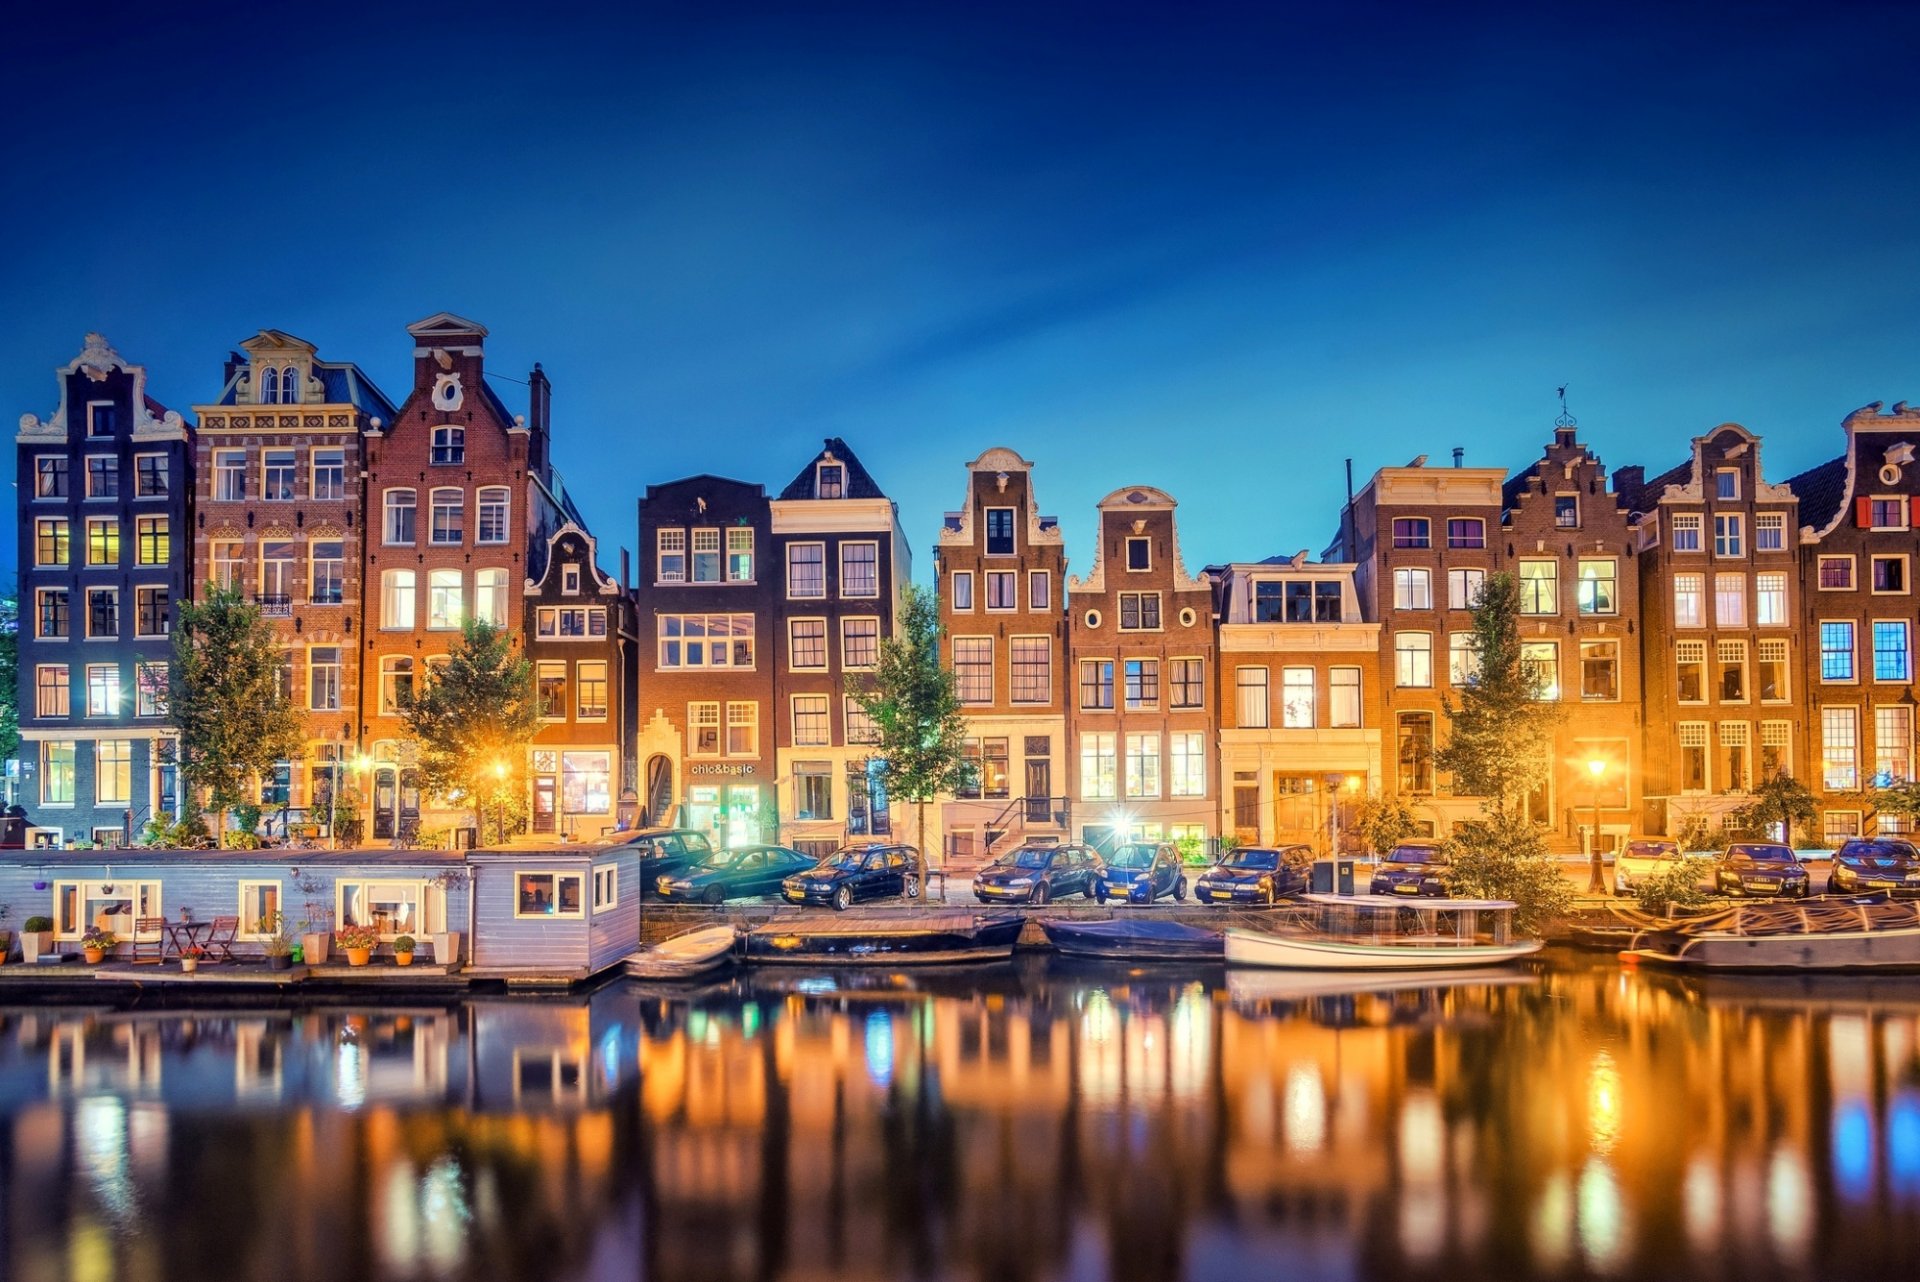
(870, 870)
(1761, 868)
(1253, 874)
(733, 874)
(1037, 874)
(1411, 868)
(664, 852)
(1875, 864)
(1141, 872)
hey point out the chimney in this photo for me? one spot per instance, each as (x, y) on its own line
(539, 400)
(1563, 436)
(1628, 482)
(1459, 456)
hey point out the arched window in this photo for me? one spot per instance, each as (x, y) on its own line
(289, 386)
(396, 599)
(449, 444)
(396, 684)
(444, 606)
(269, 385)
(490, 597)
(449, 515)
(401, 507)
(494, 501)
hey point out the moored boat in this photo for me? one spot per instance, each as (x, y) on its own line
(922, 939)
(1854, 935)
(1134, 939)
(1375, 932)
(684, 956)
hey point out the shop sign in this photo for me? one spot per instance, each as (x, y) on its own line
(720, 768)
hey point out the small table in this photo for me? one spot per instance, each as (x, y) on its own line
(189, 931)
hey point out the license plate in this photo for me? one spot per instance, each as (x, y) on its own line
(1406, 888)
(1881, 885)
(1767, 883)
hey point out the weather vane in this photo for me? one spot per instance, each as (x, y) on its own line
(1565, 419)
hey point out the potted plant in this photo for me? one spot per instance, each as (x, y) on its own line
(190, 959)
(97, 943)
(279, 942)
(403, 951)
(36, 938)
(316, 927)
(358, 942)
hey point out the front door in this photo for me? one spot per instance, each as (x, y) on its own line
(386, 800)
(544, 791)
(1039, 790)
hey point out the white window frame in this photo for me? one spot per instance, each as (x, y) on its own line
(847, 593)
(1126, 553)
(960, 577)
(1732, 536)
(1906, 579)
(606, 887)
(240, 895)
(793, 649)
(847, 663)
(824, 716)
(388, 508)
(141, 894)
(662, 538)
(821, 595)
(553, 914)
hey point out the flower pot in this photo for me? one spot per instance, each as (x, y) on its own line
(403, 959)
(446, 947)
(94, 955)
(35, 944)
(359, 956)
(189, 965)
(313, 947)
(281, 961)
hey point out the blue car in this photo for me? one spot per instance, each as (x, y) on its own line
(1411, 868)
(1875, 863)
(1253, 875)
(1140, 872)
(1036, 874)
(864, 870)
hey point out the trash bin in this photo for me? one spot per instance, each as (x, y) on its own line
(1321, 882)
(1343, 876)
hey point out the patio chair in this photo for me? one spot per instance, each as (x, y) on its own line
(149, 941)
(219, 943)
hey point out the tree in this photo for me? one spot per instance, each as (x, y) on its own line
(1500, 748)
(1781, 801)
(9, 678)
(473, 718)
(915, 706)
(1384, 822)
(225, 697)
(1500, 736)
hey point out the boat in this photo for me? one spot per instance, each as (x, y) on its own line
(1379, 932)
(684, 956)
(1134, 939)
(918, 940)
(1843, 935)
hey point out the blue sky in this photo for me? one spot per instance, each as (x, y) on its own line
(1214, 248)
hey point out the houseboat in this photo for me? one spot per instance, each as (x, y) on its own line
(1376, 932)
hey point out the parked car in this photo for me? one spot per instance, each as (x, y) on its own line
(1255, 874)
(865, 870)
(733, 874)
(1761, 868)
(1140, 872)
(1410, 868)
(1875, 863)
(664, 852)
(1640, 861)
(1036, 874)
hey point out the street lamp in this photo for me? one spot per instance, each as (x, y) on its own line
(500, 773)
(1596, 881)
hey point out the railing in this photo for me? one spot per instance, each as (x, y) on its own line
(274, 605)
(1022, 813)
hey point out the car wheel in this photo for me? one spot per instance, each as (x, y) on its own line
(1266, 894)
(1179, 888)
(842, 898)
(1100, 893)
(1831, 888)
(715, 895)
(913, 887)
(1041, 894)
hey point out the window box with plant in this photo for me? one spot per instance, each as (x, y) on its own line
(358, 942)
(97, 943)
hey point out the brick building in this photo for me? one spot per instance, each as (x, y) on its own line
(103, 517)
(1858, 513)
(1302, 709)
(1000, 567)
(1718, 611)
(1571, 546)
(1140, 648)
(1421, 541)
(708, 601)
(280, 518)
(581, 639)
(458, 492)
(846, 561)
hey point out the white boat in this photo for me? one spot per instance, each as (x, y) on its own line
(1380, 932)
(684, 956)
(1835, 935)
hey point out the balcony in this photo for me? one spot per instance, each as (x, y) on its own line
(274, 606)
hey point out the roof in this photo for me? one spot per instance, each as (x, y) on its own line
(860, 483)
(1821, 490)
(342, 383)
(494, 403)
(1650, 491)
(1516, 485)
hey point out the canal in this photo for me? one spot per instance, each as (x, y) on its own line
(1038, 1120)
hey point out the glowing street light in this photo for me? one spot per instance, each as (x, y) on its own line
(1596, 880)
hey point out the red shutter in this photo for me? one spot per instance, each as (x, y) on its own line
(1915, 501)
(1863, 513)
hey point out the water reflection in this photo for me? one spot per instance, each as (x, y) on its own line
(1034, 1122)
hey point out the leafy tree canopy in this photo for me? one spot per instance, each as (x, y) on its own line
(225, 698)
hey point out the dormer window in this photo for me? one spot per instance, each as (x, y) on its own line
(1566, 511)
(102, 418)
(999, 531)
(289, 386)
(449, 444)
(830, 481)
(570, 580)
(1139, 554)
(269, 385)
(1726, 483)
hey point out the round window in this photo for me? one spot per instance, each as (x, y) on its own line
(1890, 474)
(1186, 617)
(1093, 618)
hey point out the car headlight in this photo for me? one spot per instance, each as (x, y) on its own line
(1140, 879)
(1019, 883)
